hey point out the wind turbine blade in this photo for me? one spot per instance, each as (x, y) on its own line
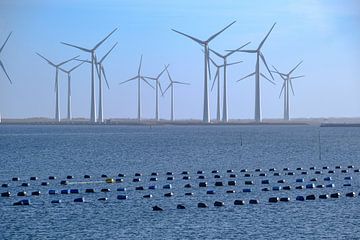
(216, 34)
(159, 75)
(160, 87)
(133, 78)
(297, 77)
(184, 83)
(251, 74)
(139, 69)
(263, 59)
(103, 58)
(194, 39)
(63, 70)
(3, 68)
(2, 47)
(97, 66)
(229, 64)
(163, 93)
(295, 68)
(233, 51)
(292, 89)
(147, 82)
(266, 78)
(217, 73)
(103, 72)
(245, 51)
(212, 61)
(151, 78)
(282, 89)
(282, 75)
(263, 41)
(101, 42)
(72, 69)
(208, 65)
(74, 46)
(216, 53)
(62, 63)
(169, 75)
(47, 60)
(81, 60)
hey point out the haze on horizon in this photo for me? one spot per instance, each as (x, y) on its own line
(325, 34)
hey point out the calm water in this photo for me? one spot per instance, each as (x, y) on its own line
(42, 151)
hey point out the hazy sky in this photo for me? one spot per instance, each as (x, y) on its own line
(325, 34)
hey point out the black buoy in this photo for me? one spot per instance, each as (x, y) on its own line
(189, 194)
(299, 180)
(5, 185)
(154, 174)
(185, 173)
(122, 189)
(90, 190)
(200, 172)
(15, 179)
(286, 169)
(299, 187)
(318, 172)
(33, 178)
(356, 170)
(323, 196)
(247, 190)
(188, 185)
(247, 175)
(258, 170)
(24, 202)
(5, 194)
(272, 169)
(139, 188)
(22, 194)
(348, 178)
(299, 169)
(167, 186)
(102, 199)
(202, 205)
(300, 198)
(138, 174)
(243, 170)
(56, 201)
(87, 176)
(169, 173)
(79, 200)
(210, 192)
(350, 194)
(214, 171)
(180, 206)
(287, 188)
(170, 178)
(69, 177)
(219, 184)
(310, 186)
(331, 185)
(119, 180)
(157, 208)
(122, 197)
(347, 184)
(230, 191)
(253, 201)
(64, 182)
(219, 204)
(312, 168)
(265, 189)
(325, 168)
(277, 174)
(201, 177)
(202, 184)
(320, 186)
(344, 171)
(25, 184)
(186, 178)
(74, 191)
(232, 183)
(274, 200)
(121, 175)
(104, 176)
(239, 202)
(350, 166)
(44, 184)
(313, 179)
(217, 176)
(169, 194)
(147, 196)
(153, 179)
(281, 181)
(136, 180)
(52, 192)
(229, 171)
(335, 195)
(52, 177)
(232, 175)
(327, 179)
(285, 199)
(290, 173)
(276, 188)
(337, 167)
(64, 191)
(153, 187)
(304, 173)
(266, 181)
(105, 190)
(310, 197)
(249, 182)
(36, 193)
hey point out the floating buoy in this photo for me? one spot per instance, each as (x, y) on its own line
(262, 175)
(22, 194)
(299, 187)
(344, 171)
(140, 188)
(276, 188)
(138, 174)
(147, 196)
(310, 186)
(347, 184)
(229, 171)
(313, 179)
(5, 194)
(121, 175)
(52, 192)
(214, 171)
(219, 204)
(243, 170)
(318, 172)
(167, 186)
(154, 174)
(239, 202)
(217, 176)
(323, 196)
(186, 177)
(202, 184)
(153, 187)
(232, 183)
(232, 175)
(102, 199)
(169, 194)
(210, 192)
(185, 173)
(157, 208)
(122, 197)
(272, 169)
(119, 180)
(285, 199)
(202, 205)
(201, 177)
(338, 167)
(170, 178)
(64, 182)
(230, 191)
(312, 168)
(300, 198)
(300, 180)
(74, 191)
(265, 189)
(200, 172)
(52, 177)
(253, 201)
(290, 173)
(153, 179)
(109, 180)
(247, 175)
(189, 194)
(136, 180)
(87, 176)
(335, 195)
(55, 201)
(69, 177)
(249, 182)
(327, 179)
(287, 188)
(348, 178)
(299, 168)
(64, 191)
(79, 200)
(4, 185)
(274, 199)
(104, 176)
(105, 190)
(281, 181)
(320, 186)
(310, 197)
(25, 184)
(304, 173)
(33, 178)
(90, 190)
(188, 185)
(247, 190)
(325, 168)
(350, 194)
(357, 170)
(286, 169)
(15, 179)
(122, 189)
(330, 185)
(350, 166)
(180, 206)
(276, 174)
(169, 173)
(219, 184)
(44, 183)
(258, 170)
(24, 202)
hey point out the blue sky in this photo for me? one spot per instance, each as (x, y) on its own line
(325, 34)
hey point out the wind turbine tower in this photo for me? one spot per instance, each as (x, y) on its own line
(205, 44)
(287, 78)
(57, 67)
(2, 65)
(93, 66)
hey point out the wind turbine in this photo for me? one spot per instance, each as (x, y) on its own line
(1, 63)
(225, 104)
(257, 73)
(158, 85)
(139, 77)
(217, 78)
(93, 65)
(285, 87)
(68, 72)
(205, 43)
(171, 84)
(57, 67)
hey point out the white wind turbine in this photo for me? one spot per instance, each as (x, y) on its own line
(205, 43)
(257, 73)
(225, 98)
(93, 66)
(171, 85)
(285, 87)
(2, 65)
(68, 72)
(217, 79)
(138, 77)
(57, 67)
(157, 86)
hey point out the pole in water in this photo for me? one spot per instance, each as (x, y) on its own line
(319, 142)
